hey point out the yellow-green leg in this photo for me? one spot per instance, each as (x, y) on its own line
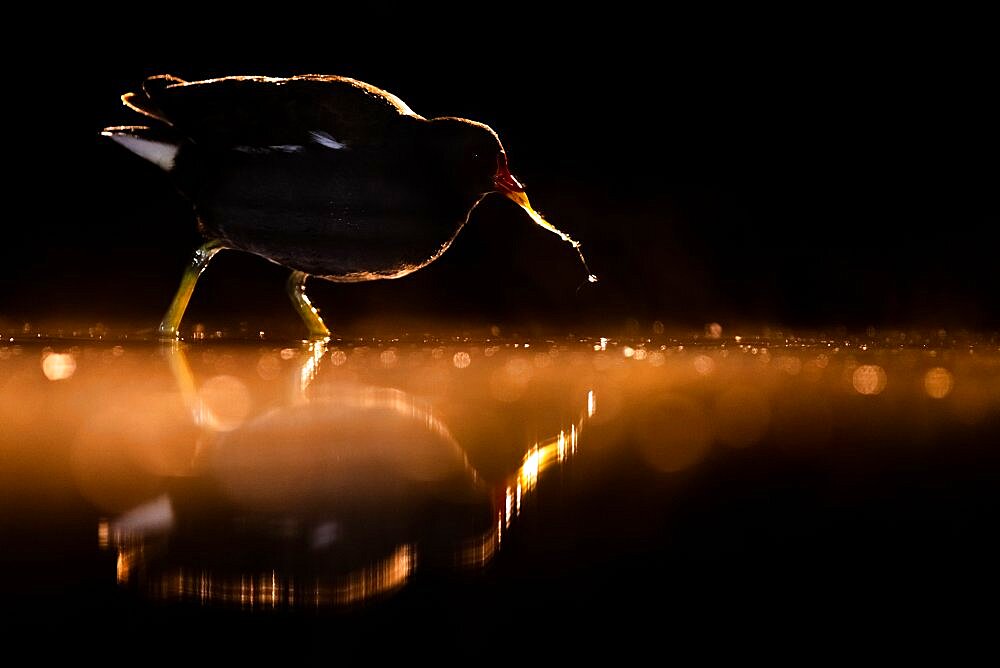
(308, 312)
(169, 327)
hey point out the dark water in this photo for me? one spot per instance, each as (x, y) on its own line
(270, 497)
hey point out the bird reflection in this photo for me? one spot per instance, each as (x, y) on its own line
(332, 498)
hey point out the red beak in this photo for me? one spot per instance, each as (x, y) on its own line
(504, 180)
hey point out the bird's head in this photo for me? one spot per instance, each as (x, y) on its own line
(478, 164)
(475, 156)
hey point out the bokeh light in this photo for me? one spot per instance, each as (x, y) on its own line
(509, 383)
(226, 402)
(790, 364)
(58, 366)
(869, 379)
(938, 382)
(388, 358)
(268, 366)
(704, 365)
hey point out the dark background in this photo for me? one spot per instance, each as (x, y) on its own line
(791, 170)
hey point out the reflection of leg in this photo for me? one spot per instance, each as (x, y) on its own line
(297, 292)
(313, 355)
(202, 415)
(180, 368)
(172, 319)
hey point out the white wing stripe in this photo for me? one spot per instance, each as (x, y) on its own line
(324, 139)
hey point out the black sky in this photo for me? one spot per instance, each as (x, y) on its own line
(803, 171)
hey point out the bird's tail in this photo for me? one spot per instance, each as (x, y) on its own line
(148, 143)
(154, 144)
(144, 101)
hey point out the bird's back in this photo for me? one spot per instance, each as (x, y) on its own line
(265, 111)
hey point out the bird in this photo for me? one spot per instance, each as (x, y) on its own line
(326, 175)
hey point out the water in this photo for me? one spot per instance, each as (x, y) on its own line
(478, 487)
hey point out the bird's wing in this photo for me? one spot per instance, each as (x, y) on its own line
(332, 111)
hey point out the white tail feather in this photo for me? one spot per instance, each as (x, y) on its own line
(161, 154)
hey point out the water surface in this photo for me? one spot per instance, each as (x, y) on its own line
(479, 485)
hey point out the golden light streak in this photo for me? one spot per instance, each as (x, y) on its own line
(508, 505)
(402, 404)
(125, 563)
(378, 579)
(102, 534)
(535, 461)
(480, 550)
(310, 367)
(542, 456)
(271, 589)
(529, 469)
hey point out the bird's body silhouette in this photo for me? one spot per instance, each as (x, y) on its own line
(326, 175)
